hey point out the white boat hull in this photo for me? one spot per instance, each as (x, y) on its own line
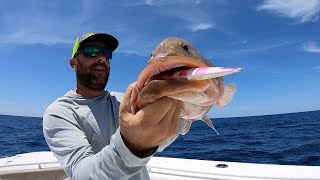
(43, 165)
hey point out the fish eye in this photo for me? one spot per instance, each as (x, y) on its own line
(185, 47)
(151, 54)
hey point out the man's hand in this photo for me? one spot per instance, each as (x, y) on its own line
(144, 130)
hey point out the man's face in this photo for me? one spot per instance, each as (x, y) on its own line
(93, 72)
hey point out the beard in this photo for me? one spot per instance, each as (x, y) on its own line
(91, 80)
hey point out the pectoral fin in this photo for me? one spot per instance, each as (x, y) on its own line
(186, 127)
(209, 123)
(227, 95)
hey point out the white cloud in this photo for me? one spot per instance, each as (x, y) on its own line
(311, 47)
(197, 2)
(317, 68)
(40, 24)
(166, 2)
(201, 26)
(156, 2)
(58, 22)
(315, 19)
(253, 48)
(300, 10)
(33, 37)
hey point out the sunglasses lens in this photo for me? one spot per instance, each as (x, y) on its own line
(91, 51)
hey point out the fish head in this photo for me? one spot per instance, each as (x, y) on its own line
(177, 47)
(170, 55)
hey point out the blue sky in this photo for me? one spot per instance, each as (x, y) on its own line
(276, 42)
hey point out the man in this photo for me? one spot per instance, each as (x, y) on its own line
(92, 134)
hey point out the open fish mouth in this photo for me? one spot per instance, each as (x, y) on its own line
(163, 71)
(172, 64)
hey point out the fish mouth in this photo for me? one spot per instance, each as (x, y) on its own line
(165, 71)
(155, 70)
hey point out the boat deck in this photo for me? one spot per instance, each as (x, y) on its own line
(44, 165)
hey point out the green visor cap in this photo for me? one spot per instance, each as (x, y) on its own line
(111, 42)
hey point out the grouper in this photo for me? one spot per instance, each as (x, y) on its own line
(197, 96)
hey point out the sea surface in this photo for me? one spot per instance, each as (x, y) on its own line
(288, 139)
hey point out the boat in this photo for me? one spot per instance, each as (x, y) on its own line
(43, 165)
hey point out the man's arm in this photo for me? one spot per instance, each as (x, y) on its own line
(72, 149)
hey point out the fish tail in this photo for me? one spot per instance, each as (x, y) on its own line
(209, 123)
(227, 95)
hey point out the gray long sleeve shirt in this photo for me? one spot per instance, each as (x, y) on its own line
(83, 134)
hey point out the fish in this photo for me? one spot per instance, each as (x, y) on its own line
(175, 54)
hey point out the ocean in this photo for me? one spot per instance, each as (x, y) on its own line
(287, 139)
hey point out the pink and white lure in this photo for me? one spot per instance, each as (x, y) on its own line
(201, 73)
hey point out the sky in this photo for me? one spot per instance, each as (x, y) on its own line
(275, 42)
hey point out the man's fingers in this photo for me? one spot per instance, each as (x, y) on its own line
(156, 110)
(125, 105)
(134, 96)
(125, 112)
(127, 95)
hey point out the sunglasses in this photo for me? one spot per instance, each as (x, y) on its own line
(94, 51)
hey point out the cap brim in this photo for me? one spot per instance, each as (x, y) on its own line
(111, 42)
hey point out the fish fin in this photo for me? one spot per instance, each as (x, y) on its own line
(186, 127)
(209, 123)
(227, 95)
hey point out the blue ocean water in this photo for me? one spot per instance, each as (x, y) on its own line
(289, 139)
